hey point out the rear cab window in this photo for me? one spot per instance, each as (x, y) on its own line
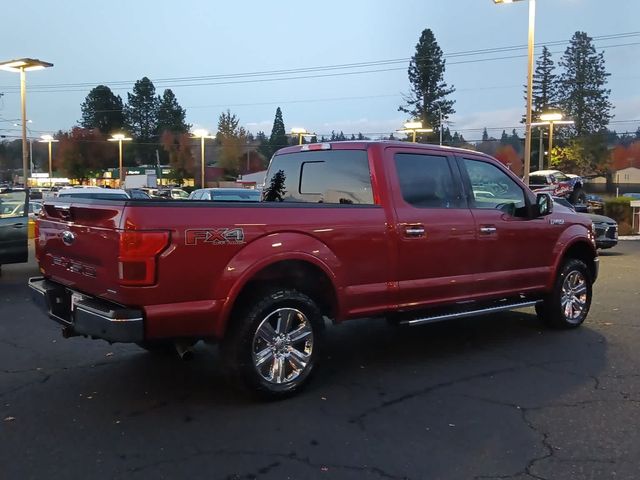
(323, 176)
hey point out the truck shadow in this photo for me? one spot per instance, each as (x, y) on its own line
(370, 357)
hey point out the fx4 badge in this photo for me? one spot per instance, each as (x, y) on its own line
(214, 236)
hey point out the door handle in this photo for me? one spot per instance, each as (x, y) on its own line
(488, 230)
(414, 230)
(18, 225)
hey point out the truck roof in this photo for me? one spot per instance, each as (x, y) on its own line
(364, 144)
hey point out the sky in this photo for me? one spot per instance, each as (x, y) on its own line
(117, 42)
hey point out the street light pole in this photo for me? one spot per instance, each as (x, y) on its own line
(530, 43)
(23, 104)
(49, 139)
(120, 137)
(440, 127)
(550, 119)
(202, 162)
(527, 138)
(413, 128)
(22, 66)
(300, 132)
(201, 134)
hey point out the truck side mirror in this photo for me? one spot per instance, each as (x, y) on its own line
(544, 204)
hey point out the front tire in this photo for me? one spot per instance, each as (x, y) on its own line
(568, 304)
(272, 345)
(578, 197)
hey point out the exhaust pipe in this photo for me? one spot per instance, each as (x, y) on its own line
(185, 350)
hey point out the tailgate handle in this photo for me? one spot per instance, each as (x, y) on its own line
(64, 211)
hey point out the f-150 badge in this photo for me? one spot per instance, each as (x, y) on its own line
(213, 236)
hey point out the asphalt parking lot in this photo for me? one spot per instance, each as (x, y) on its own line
(487, 398)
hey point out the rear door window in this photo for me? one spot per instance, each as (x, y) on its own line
(426, 181)
(327, 176)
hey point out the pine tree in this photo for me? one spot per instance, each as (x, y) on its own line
(142, 110)
(428, 88)
(545, 86)
(485, 135)
(103, 110)
(171, 116)
(504, 138)
(141, 115)
(278, 138)
(584, 97)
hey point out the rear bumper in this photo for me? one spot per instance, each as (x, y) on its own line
(81, 314)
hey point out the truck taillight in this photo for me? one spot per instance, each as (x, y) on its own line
(137, 258)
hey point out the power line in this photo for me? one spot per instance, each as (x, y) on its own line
(235, 78)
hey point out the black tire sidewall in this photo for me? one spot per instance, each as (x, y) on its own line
(238, 347)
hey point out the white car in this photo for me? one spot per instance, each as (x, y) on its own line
(93, 192)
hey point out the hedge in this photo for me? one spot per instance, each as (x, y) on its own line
(619, 209)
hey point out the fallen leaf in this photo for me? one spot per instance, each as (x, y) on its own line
(109, 354)
(9, 419)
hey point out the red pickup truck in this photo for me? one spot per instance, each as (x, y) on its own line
(417, 233)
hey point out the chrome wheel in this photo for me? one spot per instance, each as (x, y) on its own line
(574, 296)
(282, 346)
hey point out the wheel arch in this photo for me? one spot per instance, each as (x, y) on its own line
(315, 274)
(581, 249)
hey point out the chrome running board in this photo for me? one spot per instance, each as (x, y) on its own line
(469, 313)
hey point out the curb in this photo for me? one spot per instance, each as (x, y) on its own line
(629, 237)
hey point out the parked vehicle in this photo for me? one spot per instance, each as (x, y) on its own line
(634, 196)
(172, 193)
(605, 228)
(345, 230)
(93, 192)
(226, 194)
(137, 193)
(558, 184)
(14, 208)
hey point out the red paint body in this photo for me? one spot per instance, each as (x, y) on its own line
(373, 265)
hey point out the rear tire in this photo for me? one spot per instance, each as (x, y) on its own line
(272, 344)
(568, 304)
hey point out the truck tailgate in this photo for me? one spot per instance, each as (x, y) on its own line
(78, 243)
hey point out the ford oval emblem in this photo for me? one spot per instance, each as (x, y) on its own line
(68, 237)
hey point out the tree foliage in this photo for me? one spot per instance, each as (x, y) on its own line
(81, 152)
(428, 88)
(545, 86)
(171, 116)
(278, 138)
(178, 148)
(141, 113)
(232, 140)
(102, 109)
(142, 110)
(584, 96)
